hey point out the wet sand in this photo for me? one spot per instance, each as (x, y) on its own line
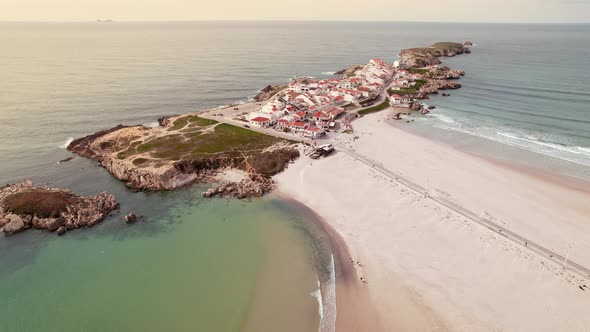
(355, 310)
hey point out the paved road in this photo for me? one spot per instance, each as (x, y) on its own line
(537, 248)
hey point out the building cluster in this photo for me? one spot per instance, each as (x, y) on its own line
(311, 107)
(403, 80)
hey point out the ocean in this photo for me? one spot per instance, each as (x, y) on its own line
(227, 265)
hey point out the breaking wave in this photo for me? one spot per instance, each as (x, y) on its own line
(442, 117)
(537, 144)
(326, 298)
(68, 142)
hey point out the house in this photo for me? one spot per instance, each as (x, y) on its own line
(297, 127)
(338, 99)
(260, 122)
(334, 111)
(301, 115)
(282, 124)
(400, 100)
(305, 99)
(365, 91)
(314, 132)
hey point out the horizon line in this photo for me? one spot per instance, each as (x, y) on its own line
(286, 21)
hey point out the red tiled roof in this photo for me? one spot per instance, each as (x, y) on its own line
(297, 124)
(260, 119)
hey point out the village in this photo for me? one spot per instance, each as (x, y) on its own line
(310, 109)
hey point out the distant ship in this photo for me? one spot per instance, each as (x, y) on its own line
(104, 21)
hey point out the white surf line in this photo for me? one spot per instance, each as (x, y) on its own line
(544, 252)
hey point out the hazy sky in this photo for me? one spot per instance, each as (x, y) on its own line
(383, 10)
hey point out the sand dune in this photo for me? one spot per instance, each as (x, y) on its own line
(431, 269)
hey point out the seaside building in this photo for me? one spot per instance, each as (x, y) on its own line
(260, 122)
(314, 132)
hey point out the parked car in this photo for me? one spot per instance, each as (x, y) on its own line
(246, 126)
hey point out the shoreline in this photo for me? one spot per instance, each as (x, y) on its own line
(550, 176)
(354, 308)
(397, 256)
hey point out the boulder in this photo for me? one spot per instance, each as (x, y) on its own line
(15, 225)
(131, 218)
(61, 230)
(51, 225)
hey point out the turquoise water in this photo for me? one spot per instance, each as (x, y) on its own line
(195, 265)
(220, 265)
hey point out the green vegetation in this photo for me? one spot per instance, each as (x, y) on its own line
(411, 90)
(179, 123)
(418, 71)
(194, 121)
(201, 122)
(140, 161)
(374, 109)
(224, 138)
(447, 45)
(129, 151)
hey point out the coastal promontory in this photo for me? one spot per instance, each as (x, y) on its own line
(189, 149)
(24, 206)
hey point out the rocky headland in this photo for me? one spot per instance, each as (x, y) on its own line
(420, 57)
(424, 64)
(350, 71)
(188, 149)
(23, 206)
(268, 92)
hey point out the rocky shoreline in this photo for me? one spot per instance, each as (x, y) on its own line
(268, 92)
(424, 63)
(421, 57)
(149, 159)
(23, 206)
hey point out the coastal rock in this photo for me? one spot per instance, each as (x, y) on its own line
(431, 107)
(23, 206)
(81, 146)
(350, 71)
(269, 91)
(131, 218)
(165, 120)
(61, 230)
(14, 225)
(65, 160)
(254, 186)
(428, 56)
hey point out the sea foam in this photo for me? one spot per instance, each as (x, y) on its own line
(68, 142)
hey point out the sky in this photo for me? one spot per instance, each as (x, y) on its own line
(536, 11)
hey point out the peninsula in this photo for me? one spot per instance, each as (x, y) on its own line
(201, 147)
(436, 239)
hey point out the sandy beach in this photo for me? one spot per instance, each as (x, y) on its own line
(429, 267)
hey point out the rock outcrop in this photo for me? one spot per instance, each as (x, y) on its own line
(254, 186)
(269, 91)
(350, 71)
(433, 86)
(23, 206)
(132, 218)
(187, 150)
(428, 56)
